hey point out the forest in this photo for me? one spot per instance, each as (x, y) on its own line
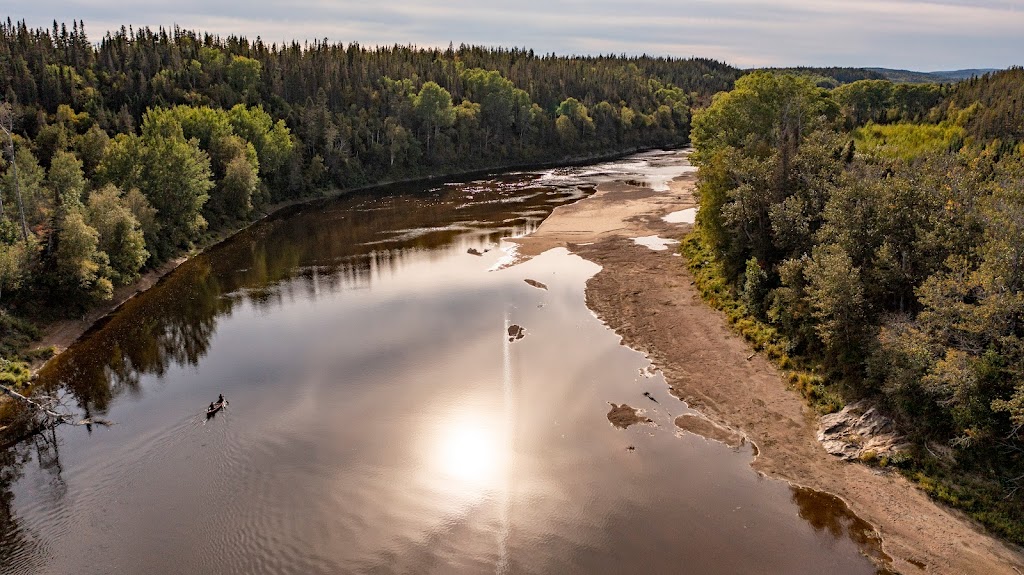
(122, 153)
(870, 240)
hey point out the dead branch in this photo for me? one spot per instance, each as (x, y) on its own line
(47, 406)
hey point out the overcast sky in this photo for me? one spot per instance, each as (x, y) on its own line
(914, 34)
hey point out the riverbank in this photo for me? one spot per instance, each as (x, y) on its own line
(61, 334)
(648, 298)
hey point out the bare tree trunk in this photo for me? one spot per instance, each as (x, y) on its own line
(5, 110)
(17, 189)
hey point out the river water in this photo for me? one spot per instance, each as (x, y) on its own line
(381, 420)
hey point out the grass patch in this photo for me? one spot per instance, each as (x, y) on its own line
(907, 141)
(14, 374)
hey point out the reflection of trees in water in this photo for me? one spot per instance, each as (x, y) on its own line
(828, 513)
(16, 542)
(341, 244)
(173, 324)
(824, 512)
(331, 246)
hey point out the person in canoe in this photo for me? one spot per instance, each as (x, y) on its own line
(220, 398)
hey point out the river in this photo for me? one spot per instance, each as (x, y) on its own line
(382, 419)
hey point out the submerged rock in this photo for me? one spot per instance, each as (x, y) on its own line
(860, 431)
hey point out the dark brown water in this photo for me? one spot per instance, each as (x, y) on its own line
(381, 420)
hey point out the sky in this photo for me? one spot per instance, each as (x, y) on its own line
(925, 35)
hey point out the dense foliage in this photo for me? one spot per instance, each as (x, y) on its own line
(896, 274)
(995, 103)
(125, 152)
(830, 77)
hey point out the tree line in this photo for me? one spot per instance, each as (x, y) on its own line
(124, 152)
(894, 276)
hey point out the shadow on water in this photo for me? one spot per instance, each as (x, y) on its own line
(830, 514)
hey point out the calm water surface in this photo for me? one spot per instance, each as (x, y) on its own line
(382, 422)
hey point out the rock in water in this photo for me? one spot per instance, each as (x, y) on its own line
(536, 284)
(516, 332)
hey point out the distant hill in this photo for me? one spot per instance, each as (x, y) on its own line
(830, 77)
(943, 77)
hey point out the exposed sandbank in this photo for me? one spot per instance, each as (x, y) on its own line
(648, 298)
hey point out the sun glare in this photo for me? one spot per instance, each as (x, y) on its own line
(470, 454)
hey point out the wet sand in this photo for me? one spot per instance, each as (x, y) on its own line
(648, 298)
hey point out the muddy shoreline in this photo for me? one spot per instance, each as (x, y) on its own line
(647, 297)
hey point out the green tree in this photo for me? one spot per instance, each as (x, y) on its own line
(17, 258)
(434, 110)
(865, 101)
(747, 148)
(144, 213)
(272, 140)
(66, 182)
(91, 147)
(467, 128)
(238, 186)
(497, 98)
(176, 179)
(120, 234)
(80, 267)
(398, 139)
(837, 302)
(52, 138)
(122, 162)
(578, 116)
(567, 132)
(172, 173)
(30, 180)
(244, 75)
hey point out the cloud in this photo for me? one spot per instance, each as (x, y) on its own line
(919, 34)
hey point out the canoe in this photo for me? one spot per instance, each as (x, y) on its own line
(211, 411)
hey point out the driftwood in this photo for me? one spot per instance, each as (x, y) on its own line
(52, 410)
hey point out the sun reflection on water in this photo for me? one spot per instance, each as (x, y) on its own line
(470, 453)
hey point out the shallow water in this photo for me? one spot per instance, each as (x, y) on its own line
(687, 216)
(381, 420)
(655, 243)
